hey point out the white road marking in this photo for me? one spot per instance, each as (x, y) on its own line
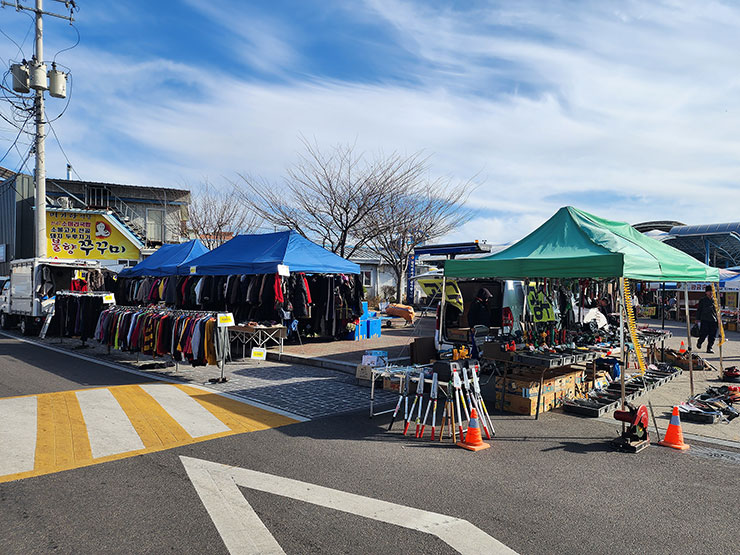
(190, 414)
(109, 429)
(18, 422)
(244, 533)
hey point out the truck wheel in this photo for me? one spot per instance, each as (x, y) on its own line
(25, 326)
(4, 321)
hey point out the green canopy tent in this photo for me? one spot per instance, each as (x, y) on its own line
(576, 244)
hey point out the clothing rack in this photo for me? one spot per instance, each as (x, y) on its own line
(80, 294)
(159, 309)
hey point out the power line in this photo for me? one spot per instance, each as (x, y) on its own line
(16, 139)
(59, 143)
(69, 47)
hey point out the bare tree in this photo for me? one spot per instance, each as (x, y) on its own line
(421, 212)
(332, 197)
(216, 215)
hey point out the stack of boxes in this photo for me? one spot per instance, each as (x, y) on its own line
(369, 325)
(522, 388)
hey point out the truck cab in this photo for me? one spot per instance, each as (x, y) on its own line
(501, 312)
(29, 295)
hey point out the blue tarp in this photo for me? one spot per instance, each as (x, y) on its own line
(262, 253)
(164, 261)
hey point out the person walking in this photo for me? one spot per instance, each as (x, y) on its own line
(706, 317)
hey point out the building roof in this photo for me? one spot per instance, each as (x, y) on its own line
(104, 184)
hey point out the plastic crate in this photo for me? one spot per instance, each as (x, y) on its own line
(373, 328)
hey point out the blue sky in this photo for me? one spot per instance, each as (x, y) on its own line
(625, 109)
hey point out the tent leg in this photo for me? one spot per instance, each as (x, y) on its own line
(621, 341)
(688, 336)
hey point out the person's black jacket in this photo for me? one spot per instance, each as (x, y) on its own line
(705, 311)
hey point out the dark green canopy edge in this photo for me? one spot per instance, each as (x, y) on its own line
(576, 244)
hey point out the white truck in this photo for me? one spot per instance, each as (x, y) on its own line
(28, 296)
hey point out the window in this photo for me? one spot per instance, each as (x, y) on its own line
(155, 225)
(367, 278)
(128, 263)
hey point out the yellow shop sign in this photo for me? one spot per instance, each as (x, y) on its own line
(84, 235)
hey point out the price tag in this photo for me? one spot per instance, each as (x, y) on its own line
(225, 319)
(192, 269)
(259, 353)
(110, 298)
(283, 270)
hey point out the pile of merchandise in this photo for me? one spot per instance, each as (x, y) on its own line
(713, 405)
(603, 399)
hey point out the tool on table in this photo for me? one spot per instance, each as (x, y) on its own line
(448, 415)
(432, 399)
(417, 399)
(459, 399)
(472, 399)
(402, 397)
(477, 392)
(635, 437)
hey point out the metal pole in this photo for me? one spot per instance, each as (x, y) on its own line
(662, 323)
(40, 201)
(688, 336)
(721, 332)
(621, 338)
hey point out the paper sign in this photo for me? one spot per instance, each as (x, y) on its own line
(110, 298)
(225, 319)
(283, 270)
(259, 353)
(192, 269)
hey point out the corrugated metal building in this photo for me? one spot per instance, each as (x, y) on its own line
(16, 218)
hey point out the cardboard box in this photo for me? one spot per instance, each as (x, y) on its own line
(392, 384)
(364, 372)
(423, 350)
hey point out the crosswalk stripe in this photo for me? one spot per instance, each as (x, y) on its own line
(51, 432)
(18, 434)
(45, 435)
(154, 425)
(240, 417)
(108, 427)
(190, 414)
(80, 440)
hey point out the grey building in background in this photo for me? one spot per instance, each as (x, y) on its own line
(16, 218)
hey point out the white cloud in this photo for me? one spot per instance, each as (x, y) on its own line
(536, 101)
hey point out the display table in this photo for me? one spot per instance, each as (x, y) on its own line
(258, 336)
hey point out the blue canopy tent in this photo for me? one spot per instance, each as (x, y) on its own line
(263, 253)
(165, 260)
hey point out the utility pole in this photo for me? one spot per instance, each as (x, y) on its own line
(38, 82)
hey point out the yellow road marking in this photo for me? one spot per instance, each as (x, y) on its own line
(62, 441)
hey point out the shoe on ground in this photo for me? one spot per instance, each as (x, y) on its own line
(710, 351)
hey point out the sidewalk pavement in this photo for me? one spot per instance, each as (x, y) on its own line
(345, 355)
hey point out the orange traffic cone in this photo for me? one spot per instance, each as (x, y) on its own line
(674, 435)
(682, 350)
(473, 440)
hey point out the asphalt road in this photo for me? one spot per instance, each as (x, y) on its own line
(551, 486)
